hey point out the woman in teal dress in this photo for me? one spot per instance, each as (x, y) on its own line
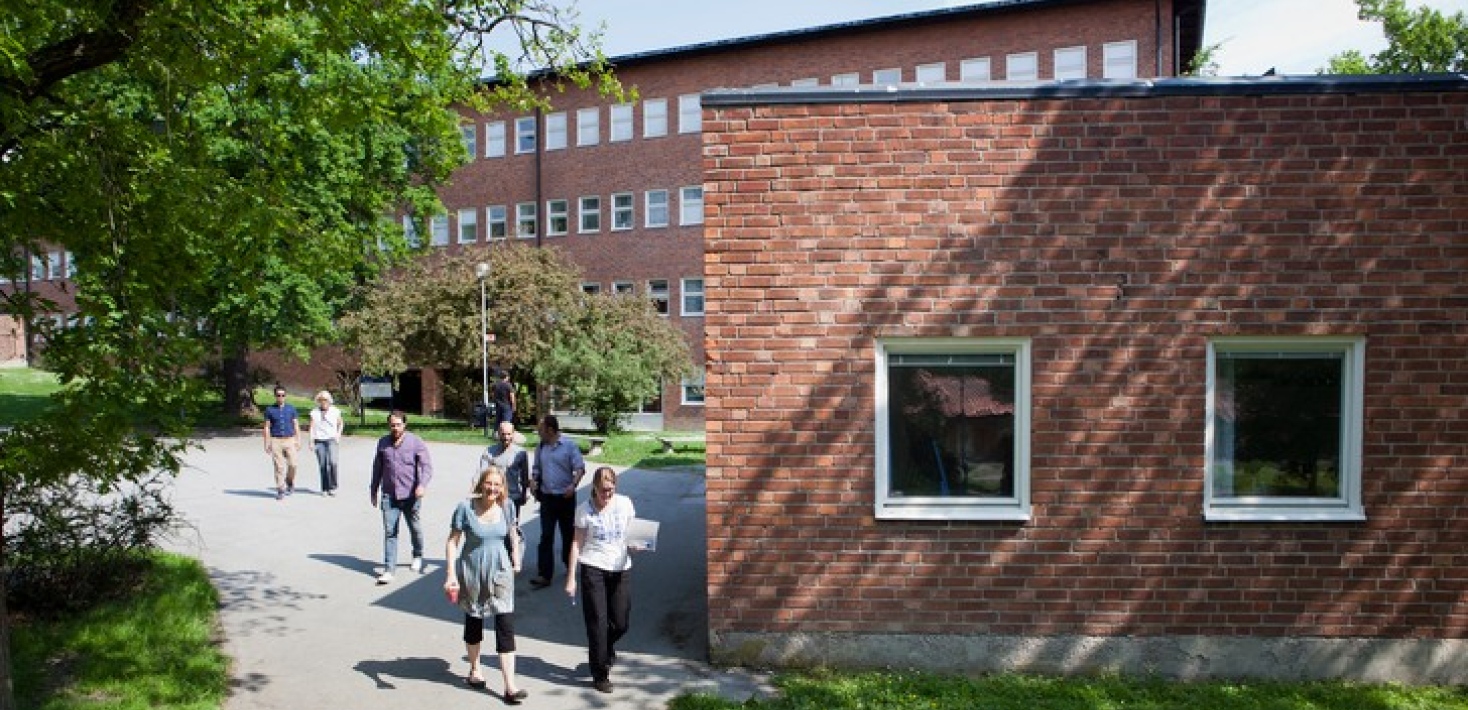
(482, 577)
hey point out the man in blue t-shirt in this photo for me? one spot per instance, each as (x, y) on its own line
(282, 441)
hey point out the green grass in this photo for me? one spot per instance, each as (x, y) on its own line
(154, 650)
(828, 690)
(24, 393)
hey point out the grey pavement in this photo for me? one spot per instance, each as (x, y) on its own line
(306, 626)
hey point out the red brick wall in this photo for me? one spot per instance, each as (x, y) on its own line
(1119, 235)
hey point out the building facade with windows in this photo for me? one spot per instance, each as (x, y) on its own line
(1160, 377)
(619, 187)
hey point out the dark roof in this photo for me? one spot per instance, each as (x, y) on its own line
(1091, 88)
(1187, 15)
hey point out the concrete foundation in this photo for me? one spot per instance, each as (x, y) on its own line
(1411, 661)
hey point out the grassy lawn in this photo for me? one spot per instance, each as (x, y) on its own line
(155, 650)
(24, 393)
(919, 691)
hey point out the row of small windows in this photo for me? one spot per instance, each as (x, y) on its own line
(588, 218)
(1282, 440)
(656, 290)
(48, 266)
(1118, 61)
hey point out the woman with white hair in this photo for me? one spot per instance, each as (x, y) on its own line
(326, 431)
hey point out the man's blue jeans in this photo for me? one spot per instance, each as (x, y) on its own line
(392, 510)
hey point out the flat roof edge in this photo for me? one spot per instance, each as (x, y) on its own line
(1091, 88)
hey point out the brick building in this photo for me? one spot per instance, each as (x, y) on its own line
(1157, 377)
(619, 187)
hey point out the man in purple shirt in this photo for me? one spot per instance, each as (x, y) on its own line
(401, 471)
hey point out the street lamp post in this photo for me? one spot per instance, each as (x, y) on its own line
(482, 271)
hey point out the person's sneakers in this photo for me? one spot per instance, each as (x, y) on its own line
(384, 578)
(602, 686)
(331, 492)
(280, 494)
(417, 565)
(540, 583)
(290, 488)
(611, 656)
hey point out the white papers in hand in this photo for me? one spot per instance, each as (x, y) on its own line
(642, 535)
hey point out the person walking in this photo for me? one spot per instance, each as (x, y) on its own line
(556, 474)
(511, 458)
(484, 556)
(503, 394)
(602, 564)
(401, 472)
(282, 436)
(326, 433)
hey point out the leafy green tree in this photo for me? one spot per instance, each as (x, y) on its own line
(218, 172)
(612, 355)
(1421, 40)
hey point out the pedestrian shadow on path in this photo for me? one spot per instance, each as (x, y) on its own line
(351, 563)
(384, 673)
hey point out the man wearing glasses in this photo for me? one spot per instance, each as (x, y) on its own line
(282, 440)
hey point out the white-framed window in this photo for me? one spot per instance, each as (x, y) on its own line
(588, 126)
(931, 73)
(654, 118)
(438, 230)
(692, 297)
(975, 69)
(410, 232)
(806, 82)
(622, 217)
(655, 208)
(623, 288)
(847, 79)
(621, 129)
(525, 134)
(1119, 60)
(657, 292)
(557, 217)
(1070, 62)
(55, 267)
(497, 217)
(1284, 424)
(70, 265)
(1024, 66)
(690, 114)
(887, 76)
(766, 86)
(690, 205)
(494, 139)
(588, 214)
(468, 226)
(525, 220)
(555, 130)
(470, 136)
(590, 288)
(953, 428)
(692, 388)
(38, 267)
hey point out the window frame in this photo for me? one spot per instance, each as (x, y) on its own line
(624, 288)
(846, 79)
(526, 213)
(527, 135)
(687, 290)
(690, 113)
(496, 140)
(889, 507)
(1112, 54)
(660, 292)
(970, 69)
(490, 222)
(890, 75)
(629, 211)
(1348, 505)
(686, 385)
(588, 126)
(684, 204)
(619, 128)
(654, 118)
(472, 223)
(1064, 59)
(438, 230)
(557, 217)
(582, 213)
(555, 131)
(651, 211)
(931, 73)
(1013, 62)
(469, 135)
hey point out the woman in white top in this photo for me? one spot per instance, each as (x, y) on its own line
(601, 561)
(326, 431)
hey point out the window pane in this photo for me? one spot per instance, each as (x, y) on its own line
(952, 425)
(1277, 425)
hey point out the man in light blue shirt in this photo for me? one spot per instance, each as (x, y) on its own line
(557, 472)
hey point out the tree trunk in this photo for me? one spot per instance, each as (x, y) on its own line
(239, 395)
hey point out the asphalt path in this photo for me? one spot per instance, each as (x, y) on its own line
(306, 625)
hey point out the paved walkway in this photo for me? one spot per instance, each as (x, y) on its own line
(307, 627)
